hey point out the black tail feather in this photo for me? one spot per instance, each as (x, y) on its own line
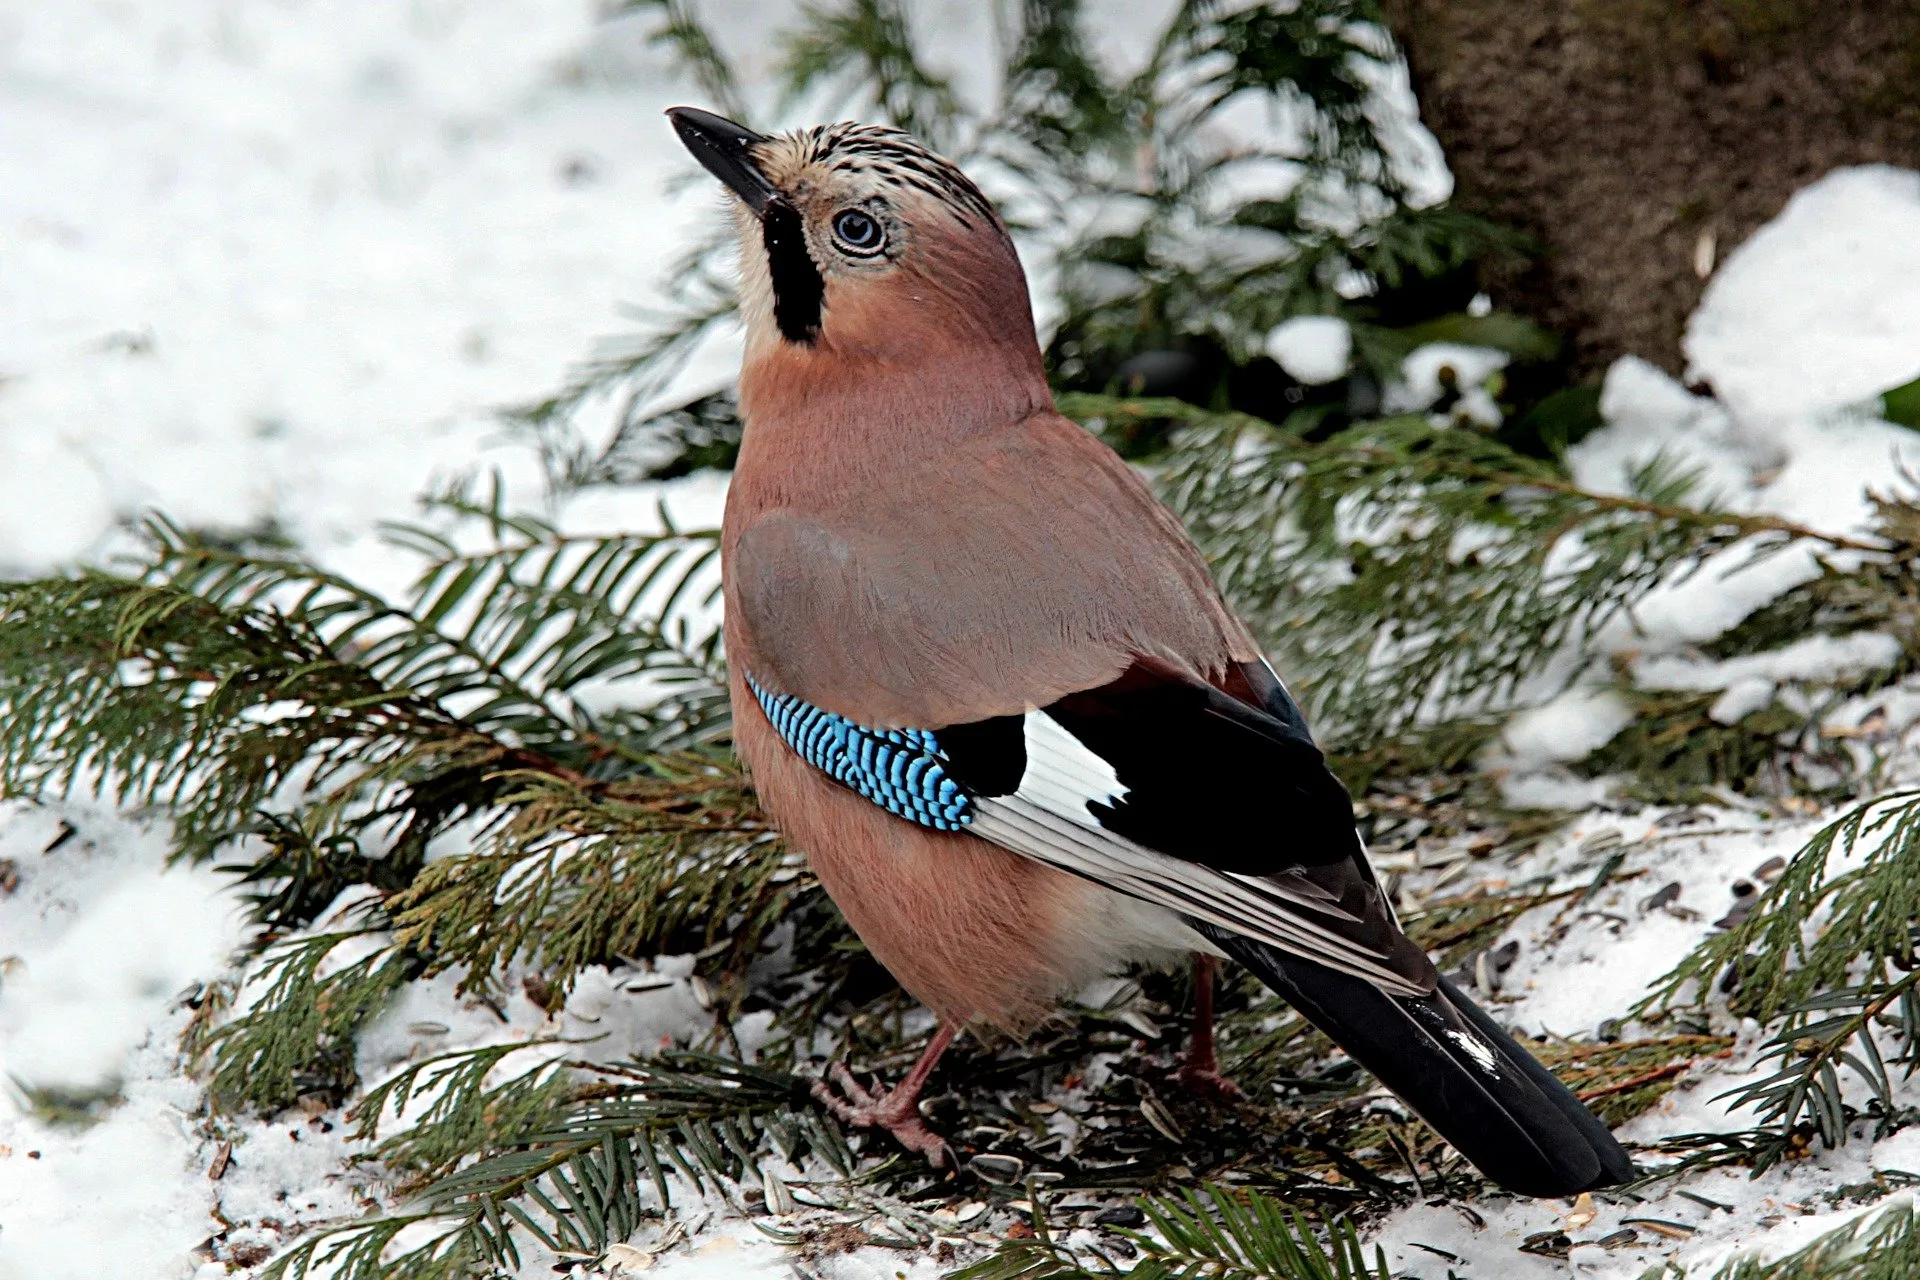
(1453, 1065)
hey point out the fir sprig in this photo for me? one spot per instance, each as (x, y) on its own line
(1213, 1233)
(1883, 1245)
(593, 1153)
(573, 876)
(869, 46)
(459, 1110)
(1407, 573)
(299, 1036)
(1827, 957)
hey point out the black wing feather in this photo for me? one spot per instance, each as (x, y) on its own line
(1209, 778)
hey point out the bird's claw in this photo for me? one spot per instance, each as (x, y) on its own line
(894, 1111)
(1210, 1084)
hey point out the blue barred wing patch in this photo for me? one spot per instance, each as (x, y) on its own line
(901, 770)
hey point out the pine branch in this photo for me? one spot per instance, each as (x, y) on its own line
(1621, 1080)
(154, 692)
(587, 1177)
(678, 28)
(634, 372)
(1210, 1234)
(1867, 912)
(1829, 992)
(572, 877)
(1883, 1245)
(461, 1113)
(298, 1037)
(869, 44)
(1413, 574)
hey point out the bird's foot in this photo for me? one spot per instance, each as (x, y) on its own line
(896, 1110)
(1208, 1083)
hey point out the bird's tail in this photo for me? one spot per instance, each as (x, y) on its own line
(1454, 1066)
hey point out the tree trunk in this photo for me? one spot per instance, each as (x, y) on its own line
(1641, 140)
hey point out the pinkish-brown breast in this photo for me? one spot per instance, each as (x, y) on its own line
(977, 934)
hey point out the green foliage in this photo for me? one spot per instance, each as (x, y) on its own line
(147, 686)
(869, 44)
(650, 440)
(1210, 1234)
(572, 876)
(298, 1037)
(1902, 404)
(210, 678)
(579, 1159)
(1176, 265)
(1826, 957)
(1676, 752)
(1876, 1246)
(454, 758)
(1407, 574)
(678, 27)
(459, 1112)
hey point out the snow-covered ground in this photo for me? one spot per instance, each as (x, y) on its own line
(278, 262)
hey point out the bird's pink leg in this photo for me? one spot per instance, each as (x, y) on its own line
(1201, 1070)
(897, 1110)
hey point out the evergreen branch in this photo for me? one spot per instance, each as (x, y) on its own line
(432, 1247)
(167, 698)
(1882, 1245)
(1810, 1050)
(870, 44)
(1867, 912)
(217, 676)
(1622, 1079)
(1056, 97)
(678, 28)
(1826, 989)
(1210, 1234)
(634, 371)
(1447, 928)
(1310, 52)
(1411, 573)
(525, 623)
(572, 877)
(298, 1037)
(462, 1113)
(587, 1177)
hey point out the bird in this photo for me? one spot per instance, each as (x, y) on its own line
(984, 680)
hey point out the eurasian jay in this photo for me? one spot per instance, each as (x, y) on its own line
(984, 680)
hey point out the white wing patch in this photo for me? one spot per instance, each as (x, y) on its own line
(1062, 776)
(1480, 1052)
(1265, 908)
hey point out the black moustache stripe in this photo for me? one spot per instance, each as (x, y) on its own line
(797, 288)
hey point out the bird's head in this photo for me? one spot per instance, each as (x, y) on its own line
(859, 244)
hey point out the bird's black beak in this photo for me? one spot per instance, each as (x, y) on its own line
(726, 149)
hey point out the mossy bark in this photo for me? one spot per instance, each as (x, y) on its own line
(1642, 140)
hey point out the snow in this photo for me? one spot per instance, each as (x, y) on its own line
(286, 260)
(1314, 349)
(1437, 367)
(1649, 415)
(280, 264)
(1570, 727)
(71, 1011)
(1820, 307)
(96, 944)
(1810, 659)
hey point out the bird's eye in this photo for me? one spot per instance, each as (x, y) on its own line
(858, 233)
